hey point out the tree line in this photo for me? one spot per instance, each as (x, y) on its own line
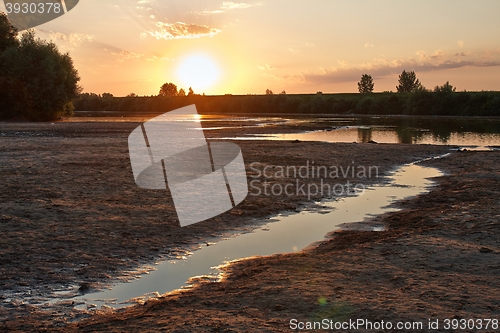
(442, 101)
(411, 99)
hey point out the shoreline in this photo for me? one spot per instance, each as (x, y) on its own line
(131, 114)
(284, 153)
(411, 272)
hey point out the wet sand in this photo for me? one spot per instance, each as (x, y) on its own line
(71, 215)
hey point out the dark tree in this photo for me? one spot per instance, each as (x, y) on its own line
(269, 92)
(8, 33)
(168, 90)
(445, 88)
(408, 82)
(365, 85)
(107, 95)
(182, 92)
(11, 90)
(37, 81)
(14, 98)
(190, 92)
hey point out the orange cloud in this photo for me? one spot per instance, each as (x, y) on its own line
(126, 55)
(180, 30)
(234, 5)
(381, 67)
(74, 39)
(266, 66)
(226, 5)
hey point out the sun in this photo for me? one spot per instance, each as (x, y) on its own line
(198, 72)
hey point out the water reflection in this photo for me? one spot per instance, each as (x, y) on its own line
(288, 233)
(439, 131)
(390, 135)
(365, 134)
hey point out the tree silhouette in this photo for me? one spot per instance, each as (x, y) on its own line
(190, 92)
(445, 88)
(365, 85)
(36, 80)
(168, 90)
(408, 82)
(269, 92)
(182, 92)
(8, 34)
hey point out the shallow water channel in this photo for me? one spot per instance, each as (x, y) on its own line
(406, 130)
(363, 134)
(285, 233)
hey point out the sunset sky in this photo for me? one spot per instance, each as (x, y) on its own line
(218, 47)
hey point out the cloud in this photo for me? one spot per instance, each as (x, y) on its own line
(74, 39)
(126, 55)
(180, 30)
(266, 66)
(227, 5)
(381, 68)
(438, 54)
(460, 43)
(207, 12)
(234, 5)
(343, 64)
(368, 45)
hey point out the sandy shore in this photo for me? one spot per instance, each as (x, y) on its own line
(71, 215)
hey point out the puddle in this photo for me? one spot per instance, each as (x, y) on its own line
(388, 134)
(287, 233)
(478, 148)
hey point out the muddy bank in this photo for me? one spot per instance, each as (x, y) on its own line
(437, 260)
(72, 216)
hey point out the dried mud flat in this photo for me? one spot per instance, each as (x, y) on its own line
(71, 216)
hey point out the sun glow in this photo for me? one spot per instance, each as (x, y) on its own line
(198, 72)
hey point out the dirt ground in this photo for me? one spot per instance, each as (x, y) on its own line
(71, 216)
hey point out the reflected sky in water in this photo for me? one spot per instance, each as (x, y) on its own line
(288, 233)
(392, 135)
(436, 131)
